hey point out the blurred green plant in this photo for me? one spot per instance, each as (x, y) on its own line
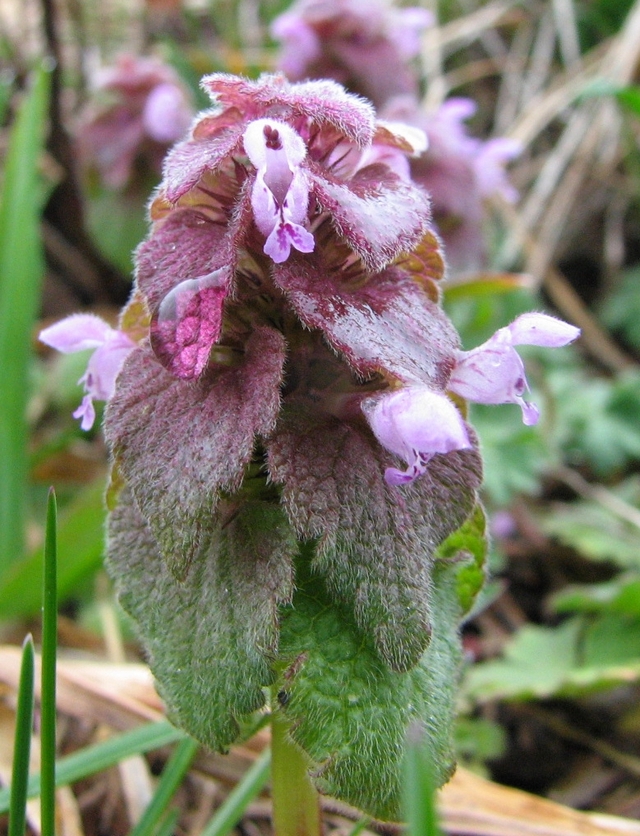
(21, 269)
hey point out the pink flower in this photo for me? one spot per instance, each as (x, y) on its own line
(280, 194)
(494, 373)
(364, 44)
(415, 423)
(140, 107)
(83, 331)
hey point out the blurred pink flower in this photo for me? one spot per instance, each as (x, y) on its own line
(80, 332)
(459, 171)
(364, 44)
(140, 107)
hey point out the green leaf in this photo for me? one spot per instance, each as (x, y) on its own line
(612, 640)
(468, 546)
(595, 531)
(80, 545)
(21, 269)
(350, 712)
(514, 455)
(621, 311)
(375, 542)
(419, 805)
(620, 595)
(596, 418)
(211, 636)
(579, 655)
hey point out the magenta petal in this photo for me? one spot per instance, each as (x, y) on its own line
(76, 333)
(167, 114)
(530, 413)
(104, 365)
(541, 329)
(286, 235)
(87, 412)
(416, 423)
(187, 324)
(493, 373)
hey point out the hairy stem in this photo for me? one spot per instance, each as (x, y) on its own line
(296, 805)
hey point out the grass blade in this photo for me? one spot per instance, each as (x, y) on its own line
(167, 826)
(48, 673)
(24, 724)
(80, 546)
(419, 788)
(101, 756)
(172, 775)
(231, 811)
(21, 268)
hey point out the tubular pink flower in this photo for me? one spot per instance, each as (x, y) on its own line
(415, 423)
(494, 373)
(280, 195)
(83, 331)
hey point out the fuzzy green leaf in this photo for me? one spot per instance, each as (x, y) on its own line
(210, 636)
(468, 546)
(376, 542)
(350, 712)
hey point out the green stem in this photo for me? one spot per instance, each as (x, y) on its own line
(296, 805)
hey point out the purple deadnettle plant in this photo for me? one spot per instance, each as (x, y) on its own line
(293, 501)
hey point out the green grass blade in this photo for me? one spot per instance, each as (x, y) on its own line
(48, 673)
(80, 546)
(167, 826)
(419, 789)
(21, 269)
(172, 775)
(231, 811)
(101, 756)
(22, 747)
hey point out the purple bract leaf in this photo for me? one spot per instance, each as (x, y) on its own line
(389, 324)
(322, 102)
(379, 214)
(186, 163)
(183, 246)
(178, 443)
